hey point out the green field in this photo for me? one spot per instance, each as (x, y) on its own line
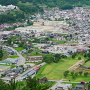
(87, 63)
(13, 56)
(79, 78)
(54, 71)
(19, 48)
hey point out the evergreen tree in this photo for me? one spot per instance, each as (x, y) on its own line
(1, 53)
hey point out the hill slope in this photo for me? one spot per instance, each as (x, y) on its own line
(50, 3)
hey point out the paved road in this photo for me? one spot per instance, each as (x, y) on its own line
(22, 60)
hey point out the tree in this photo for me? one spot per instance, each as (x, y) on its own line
(80, 73)
(21, 44)
(48, 58)
(71, 36)
(47, 39)
(74, 55)
(9, 41)
(72, 73)
(79, 58)
(89, 86)
(76, 74)
(33, 84)
(66, 73)
(29, 22)
(1, 53)
(73, 76)
(29, 51)
(88, 54)
(13, 85)
(85, 74)
(57, 56)
(3, 85)
(85, 55)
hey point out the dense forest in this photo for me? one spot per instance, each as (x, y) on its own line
(63, 4)
(9, 18)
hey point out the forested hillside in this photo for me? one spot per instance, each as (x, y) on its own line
(63, 4)
(29, 7)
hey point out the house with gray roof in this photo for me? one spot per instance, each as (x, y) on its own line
(80, 87)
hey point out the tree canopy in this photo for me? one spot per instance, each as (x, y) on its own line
(64, 4)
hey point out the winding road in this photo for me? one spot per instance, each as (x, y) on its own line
(21, 60)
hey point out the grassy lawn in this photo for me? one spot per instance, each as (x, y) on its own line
(12, 66)
(13, 56)
(79, 78)
(55, 71)
(35, 53)
(58, 41)
(15, 37)
(19, 48)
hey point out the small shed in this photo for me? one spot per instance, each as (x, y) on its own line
(43, 80)
(79, 87)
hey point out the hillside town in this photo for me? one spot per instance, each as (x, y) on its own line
(55, 33)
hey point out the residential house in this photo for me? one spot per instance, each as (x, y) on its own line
(45, 52)
(29, 46)
(43, 40)
(36, 68)
(12, 75)
(29, 73)
(61, 86)
(15, 45)
(24, 51)
(43, 80)
(51, 35)
(80, 87)
(18, 70)
(82, 50)
(10, 51)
